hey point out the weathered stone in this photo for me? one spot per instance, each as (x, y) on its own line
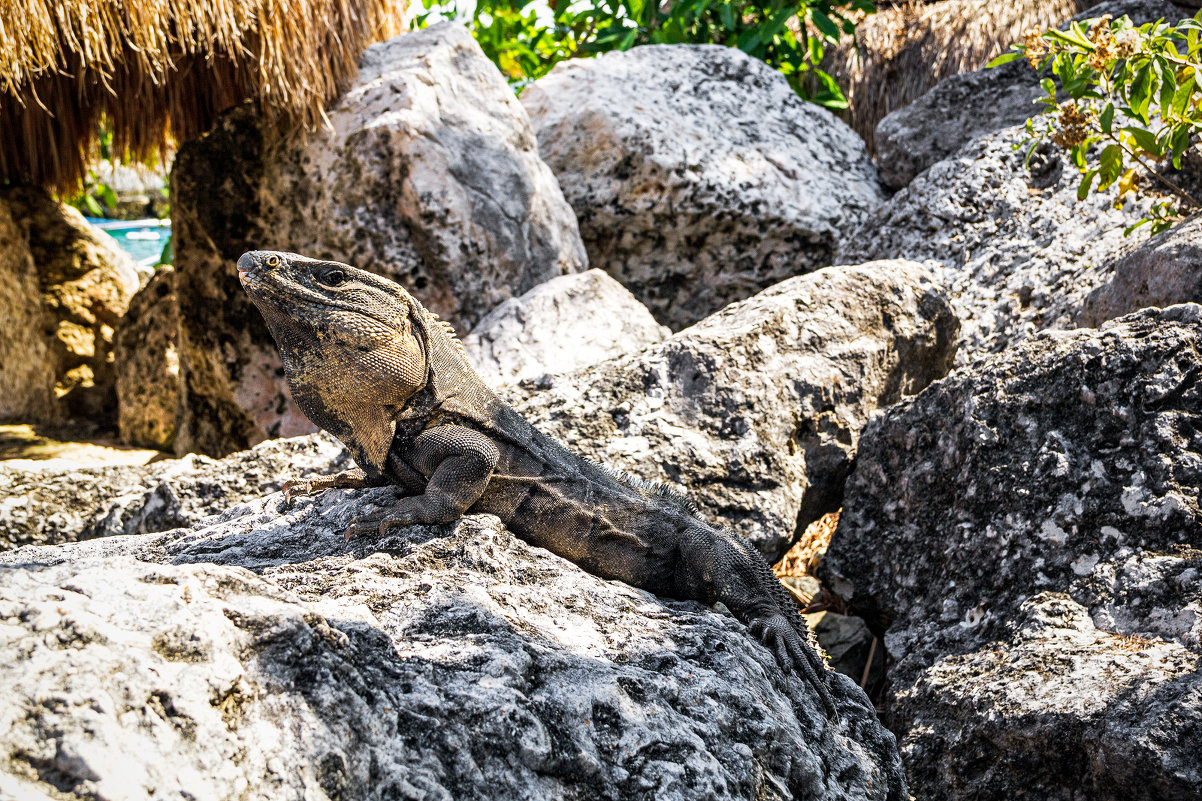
(434, 662)
(1021, 252)
(64, 505)
(756, 410)
(1164, 271)
(27, 369)
(1027, 534)
(559, 326)
(84, 283)
(430, 176)
(147, 361)
(967, 106)
(697, 174)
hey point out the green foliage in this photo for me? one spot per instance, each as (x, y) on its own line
(94, 197)
(526, 38)
(1128, 98)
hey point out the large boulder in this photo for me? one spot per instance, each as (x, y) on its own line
(1164, 271)
(964, 107)
(1020, 251)
(1027, 535)
(756, 410)
(559, 326)
(67, 287)
(428, 173)
(27, 369)
(147, 351)
(697, 174)
(263, 656)
(77, 503)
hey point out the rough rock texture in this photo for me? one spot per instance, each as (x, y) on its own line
(431, 176)
(147, 361)
(264, 657)
(1164, 271)
(83, 285)
(64, 505)
(698, 175)
(756, 410)
(26, 367)
(559, 326)
(967, 106)
(1021, 251)
(1029, 532)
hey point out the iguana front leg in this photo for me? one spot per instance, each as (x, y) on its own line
(347, 479)
(721, 566)
(459, 462)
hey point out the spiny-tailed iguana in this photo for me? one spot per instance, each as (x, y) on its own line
(371, 365)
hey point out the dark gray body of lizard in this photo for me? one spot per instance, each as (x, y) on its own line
(368, 363)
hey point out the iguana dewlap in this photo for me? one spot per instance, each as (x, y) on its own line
(368, 363)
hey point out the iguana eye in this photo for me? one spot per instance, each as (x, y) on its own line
(334, 277)
(272, 261)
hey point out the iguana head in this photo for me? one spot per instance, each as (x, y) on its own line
(354, 345)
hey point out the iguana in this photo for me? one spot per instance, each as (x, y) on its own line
(369, 364)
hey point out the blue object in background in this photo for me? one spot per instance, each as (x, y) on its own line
(141, 239)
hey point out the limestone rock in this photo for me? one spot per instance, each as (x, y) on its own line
(1021, 253)
(1164, 271)
(147, 359)
(64, 505)
(263, 656)
(430, 176)
(756, 410)
(1027, 534)
(27, 369)
(559, 326)
(964, 107)
(84, 283)
(697, 174)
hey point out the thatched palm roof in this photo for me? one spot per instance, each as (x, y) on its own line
(160, 70)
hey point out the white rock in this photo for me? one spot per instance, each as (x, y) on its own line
(559, 326)
(697, 174)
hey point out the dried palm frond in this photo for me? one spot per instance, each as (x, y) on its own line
(902, 51)
(162, 70)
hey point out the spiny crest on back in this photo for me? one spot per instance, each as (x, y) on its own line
(669, 495)
(446, 327)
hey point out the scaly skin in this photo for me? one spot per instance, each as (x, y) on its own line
(368, 363)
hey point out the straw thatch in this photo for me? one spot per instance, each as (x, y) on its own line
(905, 49)
(162, 70)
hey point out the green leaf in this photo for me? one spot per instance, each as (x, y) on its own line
(1127, 231)
(1004, 58)
(1111, 166)
(1168, 84)
(824, 24)
(1049, 87)
(93, 206)
(1141, 92)
(1106, 119)
(1144, 139)
(1178, 143)
(1083, 188)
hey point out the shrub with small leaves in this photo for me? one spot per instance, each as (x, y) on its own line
(1125, 104)
(526, 38)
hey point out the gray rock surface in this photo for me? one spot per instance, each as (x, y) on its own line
(430, 176)
(757, 409)
(1164, 271)
(966, 106)
(262, 656)
(1027, 533)
(697, 174)
(146, 354)
(559, 326)
(1020, 251)
(57, 361)
(64, 505)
